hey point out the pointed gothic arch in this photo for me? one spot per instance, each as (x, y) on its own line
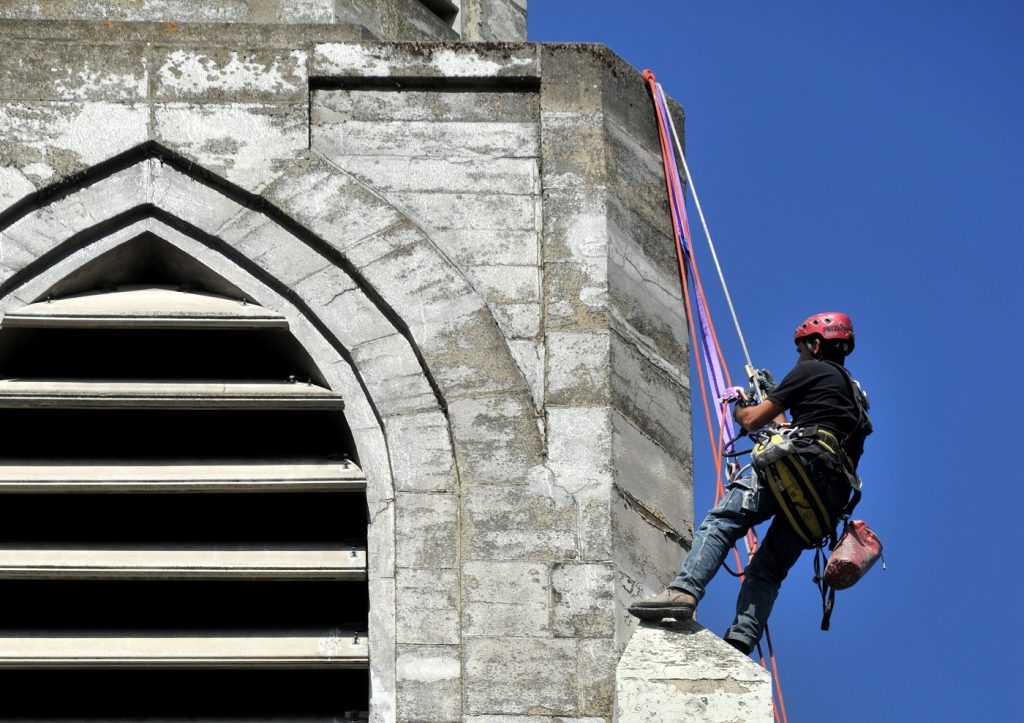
(355, 278)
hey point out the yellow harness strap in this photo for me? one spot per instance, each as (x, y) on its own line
(792, 489)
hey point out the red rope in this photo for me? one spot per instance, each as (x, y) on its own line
(717, 446)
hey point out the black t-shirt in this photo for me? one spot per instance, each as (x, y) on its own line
(817, 392)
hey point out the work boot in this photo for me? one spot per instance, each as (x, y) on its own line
(670, 603)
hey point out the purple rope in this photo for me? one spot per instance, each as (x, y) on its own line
(716, 376)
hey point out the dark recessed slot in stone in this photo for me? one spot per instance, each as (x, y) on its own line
(165, 606)
(53, 434)
(446, 10)
(169, 520)
(321, 696)
(157, 354)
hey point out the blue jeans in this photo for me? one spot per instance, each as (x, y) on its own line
(744, 505)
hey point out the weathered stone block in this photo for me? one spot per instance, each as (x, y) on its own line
(657, 477)
(468, 356)
(576, 296)
(35, 234)
(39, 70)
(494, 20)
(575, 224)
(427, 606)
(635, 173)
(626, 101)
(453, 140)
(380, 542)
(521, 675)
(228, 74)
(330, 203)
(584, 598)
(50, 141)
(573, 150)
(644, 290)
(247, 143)
(339, 302)
(529, 356)
(394, 375)
(506, 598)
(506, 284)
(498, 247)
(496, 439)
(384, 21)
(15, 185)
(425, 60)
(579, 446)
(593, 503)
(408, 108)
(519, 523)
(421, 452)
(428, 678)
(530, 719)
(648, 396)
(572, 80)
(646, 554)
(470, 211)
(433, 175)
(426, 527)
(597, 658)
(681, 671)
(578, 368)
(184, 197)
(518, 321)
(382, 646)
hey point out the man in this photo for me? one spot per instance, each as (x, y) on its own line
(822, 400)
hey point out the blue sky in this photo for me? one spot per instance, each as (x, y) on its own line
(869, 157)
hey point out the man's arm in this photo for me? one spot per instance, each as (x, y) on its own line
(751, 418)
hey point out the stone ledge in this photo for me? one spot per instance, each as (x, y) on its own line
(681, 671)
(432, 60)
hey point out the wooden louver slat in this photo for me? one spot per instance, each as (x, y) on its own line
(106, 394)
(144, 308)
(149, 649)
(339, 562)
(215, 476)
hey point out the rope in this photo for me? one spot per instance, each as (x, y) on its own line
(707, 233)
(706, 343)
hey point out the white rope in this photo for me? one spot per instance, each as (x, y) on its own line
(707, 232)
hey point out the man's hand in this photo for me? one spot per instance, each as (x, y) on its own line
(755, 417)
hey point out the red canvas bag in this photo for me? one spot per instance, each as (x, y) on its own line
(857, 550)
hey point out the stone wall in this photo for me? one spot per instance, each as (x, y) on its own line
(393, 20)
(472, 243)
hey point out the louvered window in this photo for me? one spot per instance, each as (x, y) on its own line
(183, 515)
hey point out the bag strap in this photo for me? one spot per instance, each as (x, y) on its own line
(828, 594)
(863, 420)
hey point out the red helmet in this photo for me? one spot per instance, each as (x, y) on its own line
(831, 325)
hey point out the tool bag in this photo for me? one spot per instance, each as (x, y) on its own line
(856, 552)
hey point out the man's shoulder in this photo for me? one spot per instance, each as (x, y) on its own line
(812, 368)
(821, 367)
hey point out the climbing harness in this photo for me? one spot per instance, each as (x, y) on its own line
(780, 459)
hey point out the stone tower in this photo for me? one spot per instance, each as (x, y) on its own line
(344, 364)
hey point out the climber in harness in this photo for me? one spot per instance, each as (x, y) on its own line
(804, 477)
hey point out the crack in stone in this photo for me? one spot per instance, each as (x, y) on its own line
(652, 517)
(382, 509)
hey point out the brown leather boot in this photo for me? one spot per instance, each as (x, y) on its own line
(670, 603)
